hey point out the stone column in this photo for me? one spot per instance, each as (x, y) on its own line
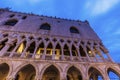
(63, 76)
(109, 57)
(84, 48)
(100, 53)
(85, 76)
(79, 54)
(92, 50)
(62, 53)
(43, 55)
(70, 49)
(106, 77)
(53, 53)
(34, 53)
(12, 53)
(10, 77)
(24, 51)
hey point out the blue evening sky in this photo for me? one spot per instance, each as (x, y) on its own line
(103, 16)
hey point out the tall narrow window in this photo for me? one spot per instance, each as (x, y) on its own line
(74, 30)
(21, 47)
(11, 22)
(45, 26)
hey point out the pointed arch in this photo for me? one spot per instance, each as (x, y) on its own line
(113, 74)
(3, 43)
(74, 51)
(74, 74)
(82, 52)
(49, 49)
(31, 48)
(51, 73)
(94, 74)
(4, 70)
(28, 72)
(89, 52)
(40, 49)
(58, 51)
(66, 50)
(21, 47)
(10, 49)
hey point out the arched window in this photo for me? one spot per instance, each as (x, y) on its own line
(45, 26)
(113, 75)
(11, 22)
(74, 30)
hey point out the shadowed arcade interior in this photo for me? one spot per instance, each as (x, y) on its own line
(4, 70)
(74, 74)
(94, 74)
(51, 73)
(26, 73)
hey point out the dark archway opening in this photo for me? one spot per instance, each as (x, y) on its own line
(113, 75)
(26, 73)
(4, 70)
(73, 74)
(94, 74)
(51, 73)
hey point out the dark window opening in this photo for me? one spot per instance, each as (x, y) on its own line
(40, 49)
(31, 37)
(74, 51)
(12, 15)
(74, 30)
(54, 39)
(12, 47)
(59, 48)
(113, 75)
(11, 22)
(24, 17)
(61, 40)
(66, 51)
(2, 44)
(47, 39)
(31, 48)
(82, 52)
(5, 35)
(22, 36)
(50, 46)
(45, 26)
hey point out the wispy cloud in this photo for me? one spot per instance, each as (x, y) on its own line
(97, 7)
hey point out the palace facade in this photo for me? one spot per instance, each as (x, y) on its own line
(34, 47)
